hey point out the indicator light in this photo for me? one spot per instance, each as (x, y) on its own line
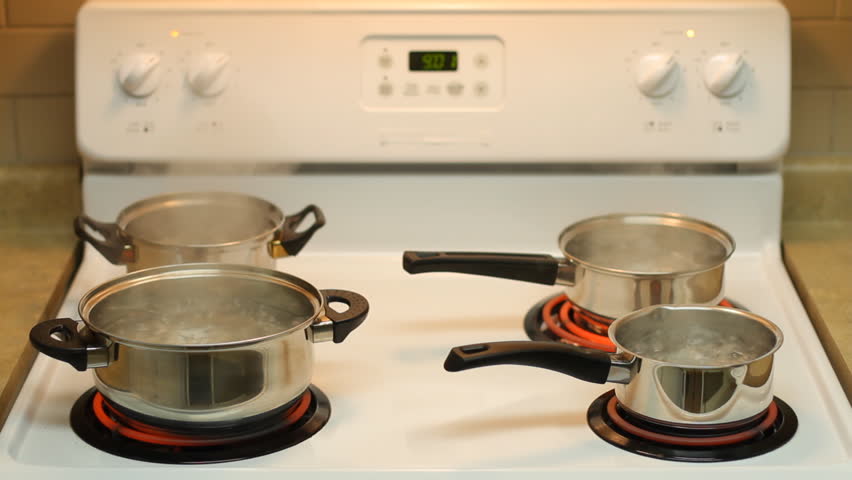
(690, 33)
(174, 34)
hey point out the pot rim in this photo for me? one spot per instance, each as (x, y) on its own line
(189, 270)
(139, 208)
(668, 219)
(613, 330)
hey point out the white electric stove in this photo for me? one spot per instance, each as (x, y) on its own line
(566, 110)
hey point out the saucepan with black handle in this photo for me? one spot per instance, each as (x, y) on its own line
(682, 364)
(613, 264)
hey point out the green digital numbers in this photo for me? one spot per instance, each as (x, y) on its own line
(433, 61)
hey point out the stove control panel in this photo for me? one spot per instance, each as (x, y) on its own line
(432, 73)
(430, 82)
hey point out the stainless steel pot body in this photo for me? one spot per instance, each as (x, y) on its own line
(613, 295)
(194, 227)
(613, 264)
(218, 385)
(199, 382)
(246, 252)
(686, 365)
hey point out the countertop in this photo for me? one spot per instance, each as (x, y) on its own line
(819, 258)
(37, 267)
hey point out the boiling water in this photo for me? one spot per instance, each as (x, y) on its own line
(696, 336)
(700, 347)
(644, 248)
(200, 311)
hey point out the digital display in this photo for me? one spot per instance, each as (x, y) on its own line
(433, 61)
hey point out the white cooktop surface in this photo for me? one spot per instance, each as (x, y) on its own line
(395, 410)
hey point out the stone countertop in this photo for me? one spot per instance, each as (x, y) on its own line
(37, 267)
(819, 258)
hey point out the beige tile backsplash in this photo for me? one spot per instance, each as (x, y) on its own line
(844, 8)
(821, 53)
(811, 113)
(810, 8)
(45, 129)
(36, 61)
(842, 132)
(8, 151)
(41, 12)
(36, 79)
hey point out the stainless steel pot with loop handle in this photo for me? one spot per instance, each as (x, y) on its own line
(192, 227)
(201, 342)
(613, 264)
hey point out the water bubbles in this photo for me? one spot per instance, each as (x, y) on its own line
(699, 346)
(198, 311)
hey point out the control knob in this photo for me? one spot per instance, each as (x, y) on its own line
(657, 74)
(139, 74)
(208, 74)
(724, 74)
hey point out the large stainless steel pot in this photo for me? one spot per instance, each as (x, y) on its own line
(614, 264)
(673, 364)
(214, 227)
(201, 342)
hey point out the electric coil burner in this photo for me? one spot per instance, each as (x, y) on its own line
(118, 431)
(560, 320)
(691, 443)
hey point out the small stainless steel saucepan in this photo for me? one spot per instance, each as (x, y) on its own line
(191, 227)
(201, 343)
(673, 364)
(614, 264)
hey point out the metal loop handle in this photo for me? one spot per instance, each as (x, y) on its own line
(343, 323)
(289, 241)
(116, 246)
(58, 338)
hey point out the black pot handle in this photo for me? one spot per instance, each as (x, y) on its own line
(514, 266)
(116, 246)
(344, 322)
(289, 241)
(70, 347)
(585, 364)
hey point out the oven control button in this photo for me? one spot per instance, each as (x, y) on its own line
(481, 61)
(480, 89)
(385, 89)
(724, 74)
(139, 74)
(657, 74)
(455, 88)
(208, 74)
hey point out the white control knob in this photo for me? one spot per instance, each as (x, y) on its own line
(724, 74)
(657, 74)
(208, 74)
(139, 74)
